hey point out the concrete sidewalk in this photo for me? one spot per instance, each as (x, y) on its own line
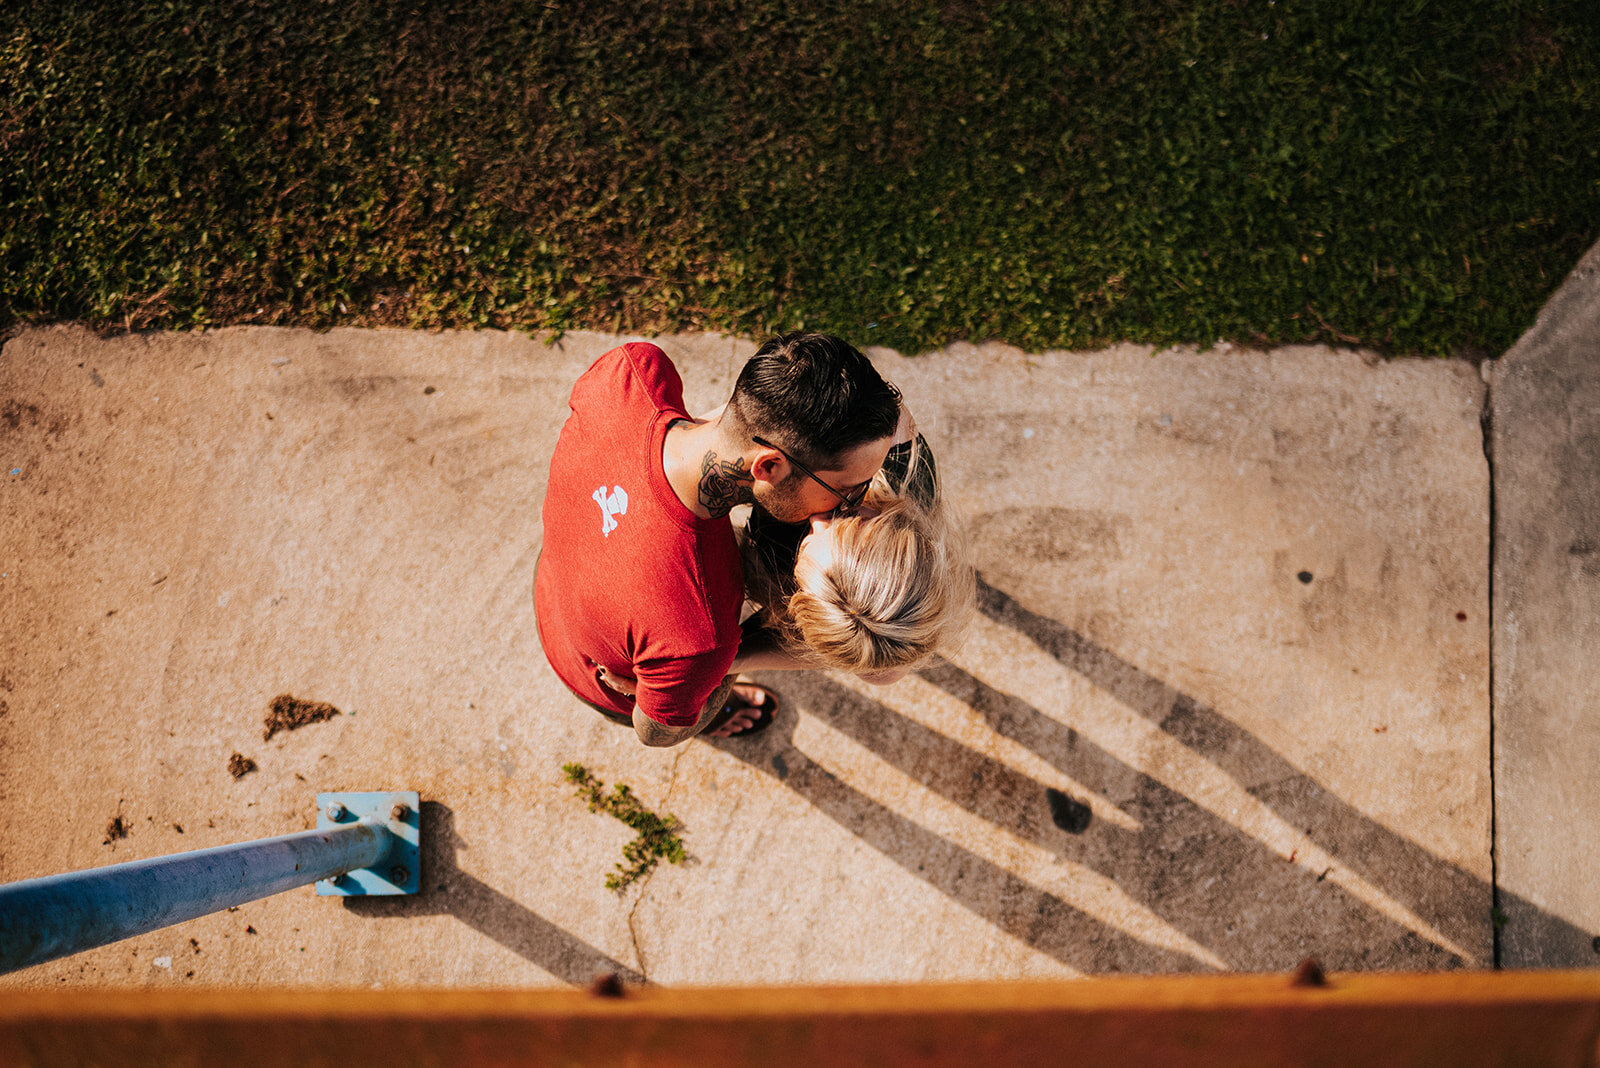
(1234, 605)
(1545, 436)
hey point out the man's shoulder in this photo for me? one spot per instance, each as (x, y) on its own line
(657, 372)
(645, 351)
(635, 366)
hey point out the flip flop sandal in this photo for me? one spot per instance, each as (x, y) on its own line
(766, 712)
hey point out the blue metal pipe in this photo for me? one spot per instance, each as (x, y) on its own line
(42, 919)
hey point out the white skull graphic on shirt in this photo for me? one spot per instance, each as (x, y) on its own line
(611, 505)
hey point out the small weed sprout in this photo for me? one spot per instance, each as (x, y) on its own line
(656, 837)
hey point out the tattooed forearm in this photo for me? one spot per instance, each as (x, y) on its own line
(660, 736)
(724, 484)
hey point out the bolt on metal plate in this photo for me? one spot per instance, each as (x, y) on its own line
(399, 871)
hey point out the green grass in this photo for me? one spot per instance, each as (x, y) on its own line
(1411, 175)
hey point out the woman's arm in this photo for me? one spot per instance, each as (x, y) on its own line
(760, 650)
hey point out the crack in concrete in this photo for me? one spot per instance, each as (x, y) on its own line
(672, 776)
(644, 885)
(1486, 424)
(633, 933)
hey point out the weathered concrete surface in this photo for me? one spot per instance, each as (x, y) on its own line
(1546, 447)
(1235, 604)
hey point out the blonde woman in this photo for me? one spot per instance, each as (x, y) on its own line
(872, 590)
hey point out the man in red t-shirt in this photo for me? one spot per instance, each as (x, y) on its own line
(639, 583)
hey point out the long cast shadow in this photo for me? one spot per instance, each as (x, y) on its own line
(1011, 904)
(449, 891)
(1453, 901)
(1224, 889)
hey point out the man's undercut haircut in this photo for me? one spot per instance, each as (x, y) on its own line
(815, 395)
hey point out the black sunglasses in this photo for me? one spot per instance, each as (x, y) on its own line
(847, 502)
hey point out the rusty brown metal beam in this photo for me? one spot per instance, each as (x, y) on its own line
(1474, 1018)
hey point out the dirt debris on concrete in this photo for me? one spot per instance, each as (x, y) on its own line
(13, 412)
(115, 829)
(1068, 813)
(289, 713)
(240, 765)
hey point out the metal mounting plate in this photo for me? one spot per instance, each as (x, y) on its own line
(400, 870)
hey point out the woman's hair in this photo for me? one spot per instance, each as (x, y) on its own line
(888, 598)
(897, 589)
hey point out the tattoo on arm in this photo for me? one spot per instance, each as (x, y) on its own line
(724, 484)
(659, 735)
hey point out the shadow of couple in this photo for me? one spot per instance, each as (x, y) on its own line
(1220, 887)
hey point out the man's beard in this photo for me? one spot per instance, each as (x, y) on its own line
(782, 502)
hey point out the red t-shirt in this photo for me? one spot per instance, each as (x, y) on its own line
(629, 578)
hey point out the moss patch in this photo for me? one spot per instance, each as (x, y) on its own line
(656, 837)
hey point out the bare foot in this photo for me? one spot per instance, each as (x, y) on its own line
(751, 701)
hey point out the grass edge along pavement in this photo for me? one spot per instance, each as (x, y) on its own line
(1415, 178)
(655, 837)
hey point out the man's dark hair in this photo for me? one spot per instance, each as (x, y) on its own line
(815, 395)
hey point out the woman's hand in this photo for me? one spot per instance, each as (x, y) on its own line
(907, 428)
